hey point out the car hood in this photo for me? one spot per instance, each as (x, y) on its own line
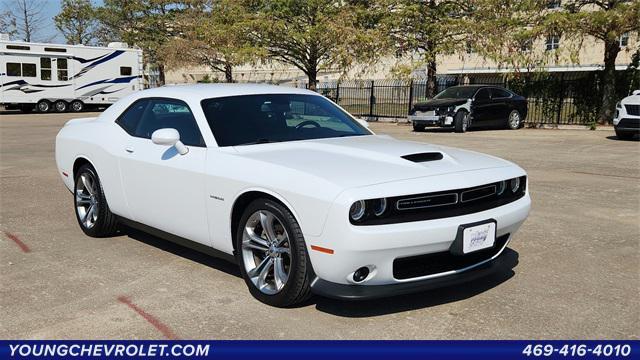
(435, 103)
(368, 160)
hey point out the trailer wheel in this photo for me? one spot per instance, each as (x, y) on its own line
(43, 106)
(60, 106)
(77, 106)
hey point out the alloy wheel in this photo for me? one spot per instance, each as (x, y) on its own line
(266, 251)
(86, 197)
(514, 120)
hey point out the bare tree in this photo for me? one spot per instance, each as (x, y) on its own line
(29, 19)
(7, 23)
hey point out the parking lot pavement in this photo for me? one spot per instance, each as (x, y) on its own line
(576, 260)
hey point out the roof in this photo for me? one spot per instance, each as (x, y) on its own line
(205, 91)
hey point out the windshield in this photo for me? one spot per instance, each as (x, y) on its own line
(255, 119)
(457, 92)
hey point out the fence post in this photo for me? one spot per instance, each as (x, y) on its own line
(560, 99)
(410, 96)
(372, 100)
(338, 92)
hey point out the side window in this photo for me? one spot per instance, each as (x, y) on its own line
(63, 73)
(14, 69)
(169, 113)
(500, 93)
(130, 119)
(28, 70)
(483, 94)
(125, 70)
(45, 68)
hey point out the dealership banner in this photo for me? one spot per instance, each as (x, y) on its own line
(325, 350)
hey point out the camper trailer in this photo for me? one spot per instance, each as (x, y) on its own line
(60, 78)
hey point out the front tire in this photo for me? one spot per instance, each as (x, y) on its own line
(92, 212)
(418, 127)
(271, 251)
(461, 122)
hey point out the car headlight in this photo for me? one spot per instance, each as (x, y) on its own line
(450, 109)
(619, 105)
(515, 184)
(379, 206)
(357, 210)
(502, 185)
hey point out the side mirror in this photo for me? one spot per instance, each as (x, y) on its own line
(363, 123)
(636, 92)
(169, 137)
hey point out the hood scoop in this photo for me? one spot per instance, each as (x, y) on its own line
(423, 157)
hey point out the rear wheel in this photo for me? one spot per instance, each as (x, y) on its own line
(43, 106)
(76, 106)
(92, 212)
(60, 106)
(272, 255)
(418, 127)
(461, 121)
(514, 121)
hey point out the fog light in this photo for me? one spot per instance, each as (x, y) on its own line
(361, 274)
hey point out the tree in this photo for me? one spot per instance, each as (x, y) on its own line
(314, 35)
(605, 21)
(26, 18)
(212, 33)
(428, 29)
(147, 24)
(77, 21)
(7, 23)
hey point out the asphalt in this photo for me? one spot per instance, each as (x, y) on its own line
(575, 269)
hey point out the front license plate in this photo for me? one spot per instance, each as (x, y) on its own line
(478, 237)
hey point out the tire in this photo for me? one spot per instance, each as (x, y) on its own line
(76, 106)
(254, 255)
(60, 106)
(461, 122)
(514, 121)
(43, 106)
(418, 127)
(624, 135)
(88, 193)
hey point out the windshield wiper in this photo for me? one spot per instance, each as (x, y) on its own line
(259, 141)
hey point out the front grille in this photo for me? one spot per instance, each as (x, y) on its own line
(429, 264)
(633, 109)
(629, 124)
(443, 204)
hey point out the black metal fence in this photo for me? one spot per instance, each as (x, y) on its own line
(561, 98)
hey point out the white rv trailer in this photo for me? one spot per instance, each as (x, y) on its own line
(54, 77)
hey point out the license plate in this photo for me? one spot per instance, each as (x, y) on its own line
(478, 237)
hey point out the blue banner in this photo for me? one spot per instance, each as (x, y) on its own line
(325, 350)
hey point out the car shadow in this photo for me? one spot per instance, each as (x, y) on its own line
(634, 138)
(182, 251)
(396, 304)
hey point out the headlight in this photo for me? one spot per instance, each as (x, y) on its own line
(450, 109)
(515, 184)
(379, 206)
(502, 185)
(357, 210)
(619, 105)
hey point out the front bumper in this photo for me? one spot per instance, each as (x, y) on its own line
(627, 124)
(431, 120)
(501, 263)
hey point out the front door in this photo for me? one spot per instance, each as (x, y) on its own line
(164, 189)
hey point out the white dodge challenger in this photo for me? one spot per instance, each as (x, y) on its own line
(304, 197)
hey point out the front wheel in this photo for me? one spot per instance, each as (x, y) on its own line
(92, 212)
(461, 122)
(418, 127)
(272, 255)
(514, 121)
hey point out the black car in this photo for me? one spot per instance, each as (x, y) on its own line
(461, 107)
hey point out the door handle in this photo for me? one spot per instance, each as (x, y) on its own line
(129, 150)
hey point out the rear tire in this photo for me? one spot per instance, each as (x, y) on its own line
(514, 121)
(60, 106)
(76, 106)
(418, 127)
(91, 208)
(461, 122)
(43, 106)
(624, 135)
(262, 253)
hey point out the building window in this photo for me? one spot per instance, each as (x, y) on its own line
(125, 70)
(63, 73)
(14, 69)
(553, 42)
(526, 45)
(554, 4)
(469, 48)
(45, 68)
(624, 39)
